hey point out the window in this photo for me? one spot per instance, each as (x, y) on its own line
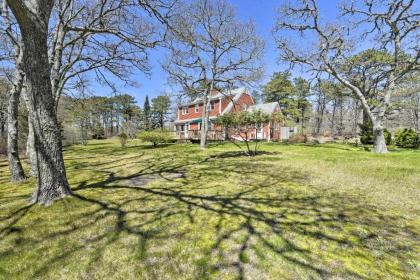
(211, 106)
(184, 110)
(196, 108)
(244, 107)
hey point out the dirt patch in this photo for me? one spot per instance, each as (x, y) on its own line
(145, 179)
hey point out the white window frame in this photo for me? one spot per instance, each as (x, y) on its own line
(196, 107)
(185, 110)
(211, 106)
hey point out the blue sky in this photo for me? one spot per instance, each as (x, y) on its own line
(262, 12)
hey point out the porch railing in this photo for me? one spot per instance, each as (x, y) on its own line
(196, 134)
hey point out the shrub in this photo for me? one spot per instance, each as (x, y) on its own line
(123, 138)
(407, 138)
(156, 137)
(366, 134)
(98, 132)
(297, 138)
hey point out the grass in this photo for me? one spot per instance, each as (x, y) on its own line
(295, 212)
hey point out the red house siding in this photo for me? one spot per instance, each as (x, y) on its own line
(244, 99)
(218, 109)
(196, 115)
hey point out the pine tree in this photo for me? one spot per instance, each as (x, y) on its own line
(147, 114)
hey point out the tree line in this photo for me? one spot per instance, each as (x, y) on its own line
(51, 48)
(325, 107)
(100, 117)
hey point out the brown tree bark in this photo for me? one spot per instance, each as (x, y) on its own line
(33, 17)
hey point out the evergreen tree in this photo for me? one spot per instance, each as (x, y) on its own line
(302, 92)
(160, 108)
(280, 89)
(147, 114)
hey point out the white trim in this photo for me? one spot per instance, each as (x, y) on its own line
(229, 107)
(185, 110)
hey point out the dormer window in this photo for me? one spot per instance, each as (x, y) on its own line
(184, 110)
(196, 108)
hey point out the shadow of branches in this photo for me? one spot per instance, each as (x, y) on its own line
(213, 217)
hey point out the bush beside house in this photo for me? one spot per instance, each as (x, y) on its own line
(156, 137)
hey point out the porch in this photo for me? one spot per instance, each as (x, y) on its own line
(196, 134)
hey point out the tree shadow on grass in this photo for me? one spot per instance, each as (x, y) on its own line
(235, 154)
(262, 228)
(158, 146)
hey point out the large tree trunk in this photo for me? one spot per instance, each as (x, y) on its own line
(379, 145)
(203, 132)
(30, 148)
(205, 118)
(33, 20)
(30, 141)
(15, 166)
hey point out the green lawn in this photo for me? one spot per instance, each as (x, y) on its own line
(295, 212)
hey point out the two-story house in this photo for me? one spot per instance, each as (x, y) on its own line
(189, 116)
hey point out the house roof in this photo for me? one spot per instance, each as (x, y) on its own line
(237, 93)
(268, 108)
(234, 92)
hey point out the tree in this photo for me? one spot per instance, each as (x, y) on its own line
(76, 45)
(160, 108)
(14, 52)
(392, 27)
(210, 49)
(280, 89)
(291, 96)
(74, 51)
(321, 94)
(410, 100)
(242, 124)
(302, 92)
(126, 106)
(3, 109)
(364, 69)
(147, 114)
(33, 18)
